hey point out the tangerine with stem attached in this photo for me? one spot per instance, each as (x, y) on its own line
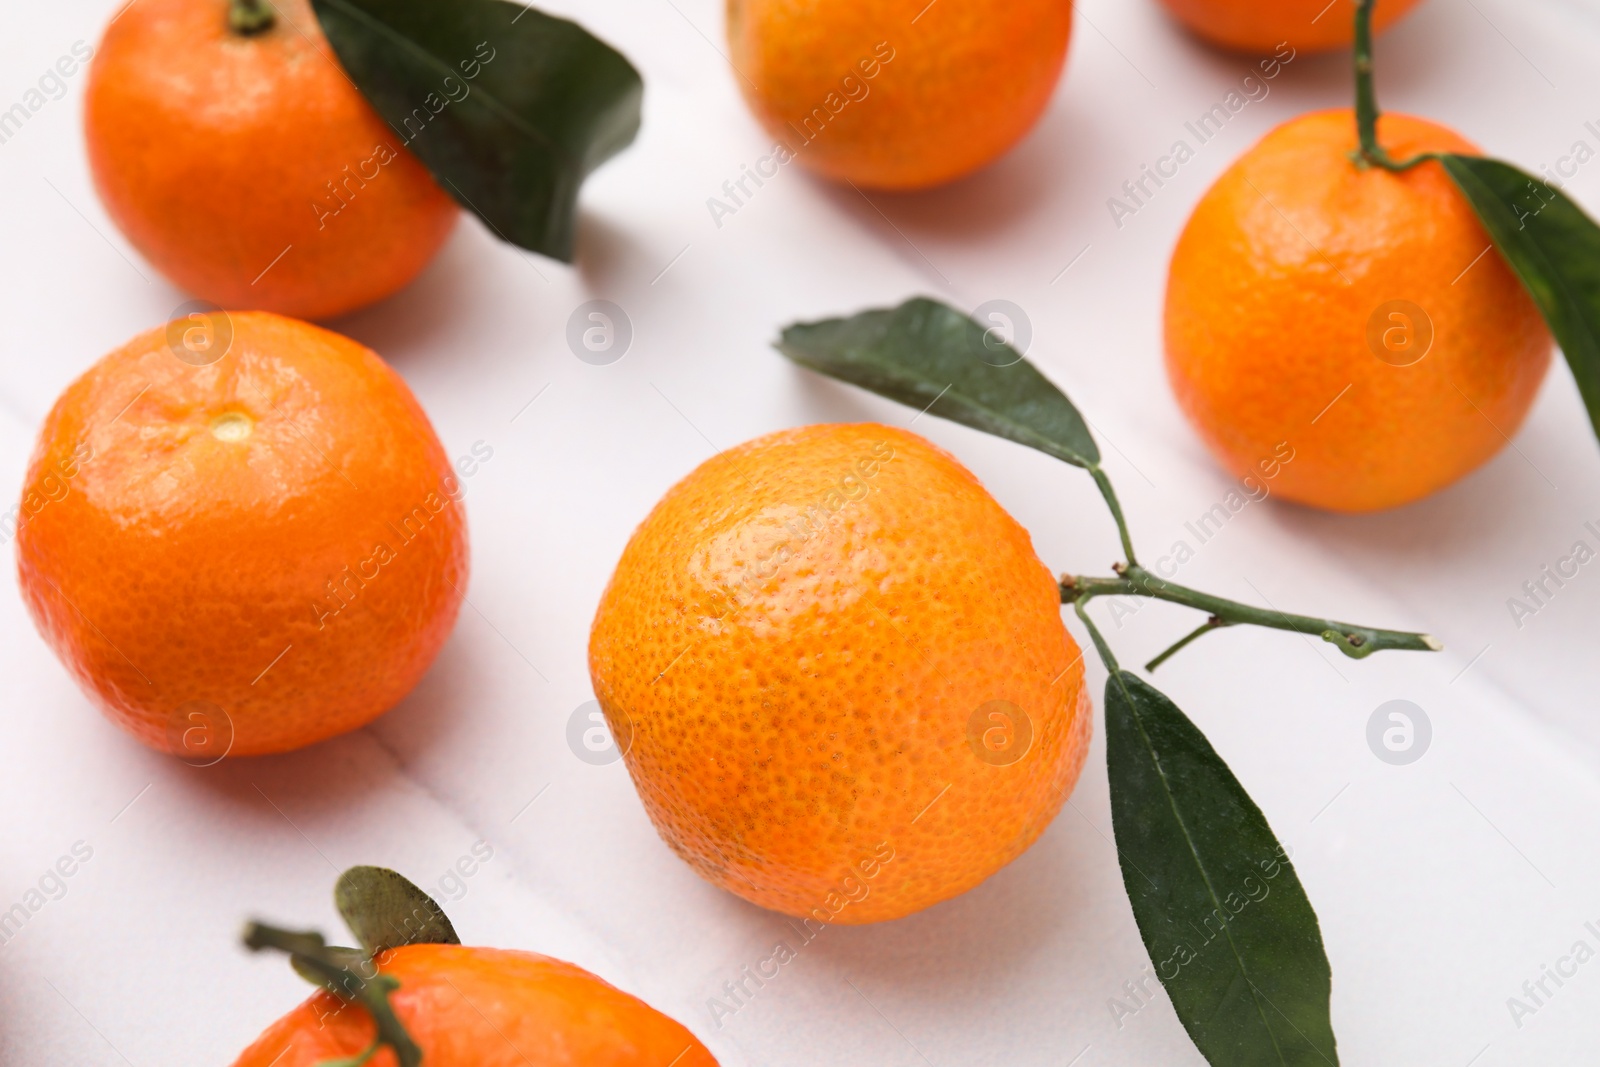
(840, 675)
(234, 152)
(245, 555)
(484, 1007)
(1359, 316)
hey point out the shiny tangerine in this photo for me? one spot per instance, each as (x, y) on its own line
(248, 168)
(241, 535)
(840, 675)
(1357, 318)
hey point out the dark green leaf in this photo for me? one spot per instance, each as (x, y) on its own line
(931, 357)
(509, 108)
(1227, 925)
(1554, 249)
(384, 910)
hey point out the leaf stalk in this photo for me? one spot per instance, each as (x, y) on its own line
(1103, 480)
(1100, 646)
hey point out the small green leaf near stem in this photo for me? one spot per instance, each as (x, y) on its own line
(385, 910)
(1357, 642)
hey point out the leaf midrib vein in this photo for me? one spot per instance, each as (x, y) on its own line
(1205, 875)
(1049, 446)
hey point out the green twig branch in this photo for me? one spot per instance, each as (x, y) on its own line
(1357, 642)
(338, 970)
(1213, 623)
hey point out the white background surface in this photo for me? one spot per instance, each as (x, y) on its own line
(1441, 886)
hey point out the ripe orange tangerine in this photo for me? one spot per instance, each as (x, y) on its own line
(1361, 318)
(840, 675)
(484, 1007)
(245, 548)
(248, 168)
(897, 94)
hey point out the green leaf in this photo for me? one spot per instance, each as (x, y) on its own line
(929, 356)
(1553, 247)
(385, 910)
(509, 108)
(1228, 927)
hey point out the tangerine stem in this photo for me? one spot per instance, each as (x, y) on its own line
(1357, 642)
(250, 17)
(1366, 96)
(1371, 153)
(331, 967)
(1213, 623)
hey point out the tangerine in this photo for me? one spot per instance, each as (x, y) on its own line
(1356, 318)
(897, 94)
(247, 555)
(484, 1007)
(840, 675)
(1263, 25)
(248, 168)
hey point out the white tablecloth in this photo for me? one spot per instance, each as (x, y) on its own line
(1442, 886)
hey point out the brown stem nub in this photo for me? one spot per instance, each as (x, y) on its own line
(250, 17)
